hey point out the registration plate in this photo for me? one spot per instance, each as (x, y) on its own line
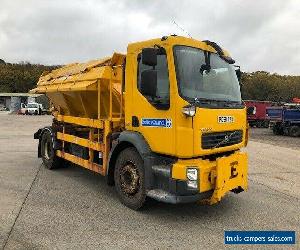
(225, 119)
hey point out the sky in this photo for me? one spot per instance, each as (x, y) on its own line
(260, 35)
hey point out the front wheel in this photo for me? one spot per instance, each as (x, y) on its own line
(130, 178)
(50, 160)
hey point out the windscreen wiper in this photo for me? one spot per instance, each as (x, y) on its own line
(204, 101)
(218, 101)
(210, 100)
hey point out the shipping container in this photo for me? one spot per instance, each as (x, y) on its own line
(256, 113)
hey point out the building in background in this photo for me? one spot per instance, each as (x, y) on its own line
(12, 101)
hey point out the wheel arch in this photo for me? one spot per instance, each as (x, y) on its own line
(125, 140)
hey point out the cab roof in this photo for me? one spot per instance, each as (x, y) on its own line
(171, 41)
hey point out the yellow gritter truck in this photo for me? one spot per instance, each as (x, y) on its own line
(164, 121)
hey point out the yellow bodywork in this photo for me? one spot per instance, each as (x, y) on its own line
(76, 89)
(91, 95)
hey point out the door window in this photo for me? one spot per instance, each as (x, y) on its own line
(162, 99)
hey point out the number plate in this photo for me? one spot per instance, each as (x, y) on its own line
(225, 119)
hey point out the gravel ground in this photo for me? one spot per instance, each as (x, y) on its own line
(72, 208)
(266, 135)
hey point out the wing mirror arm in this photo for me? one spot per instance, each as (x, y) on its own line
(238, 73)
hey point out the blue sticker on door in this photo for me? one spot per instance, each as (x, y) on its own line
(157, 122)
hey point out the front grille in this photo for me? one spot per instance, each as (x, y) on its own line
(218, 139)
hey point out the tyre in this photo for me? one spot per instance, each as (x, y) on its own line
(266, 124)
(277, 130)
(286, 131)
(129, 176)
(294, 131)
(258, 124)
(50, 160)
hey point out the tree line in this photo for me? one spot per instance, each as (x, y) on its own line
(259, 85)
(264, 86)
(20, 77)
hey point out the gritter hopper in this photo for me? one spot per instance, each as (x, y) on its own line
(87, 90)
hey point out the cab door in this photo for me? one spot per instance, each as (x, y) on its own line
(153, 117)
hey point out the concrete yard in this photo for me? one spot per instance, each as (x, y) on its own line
(265, 135)
(72, 208)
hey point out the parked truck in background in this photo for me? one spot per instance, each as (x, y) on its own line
(34, 108)
(256, 113)
(164, 121)
(285, 120)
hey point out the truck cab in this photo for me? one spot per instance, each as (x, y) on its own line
(193, 113)
(187, 102)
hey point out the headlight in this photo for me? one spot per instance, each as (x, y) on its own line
(192, 174)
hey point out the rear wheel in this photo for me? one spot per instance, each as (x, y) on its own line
(294, 131)
(130, 178)
(50, 160)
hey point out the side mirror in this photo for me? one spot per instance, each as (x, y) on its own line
(149, 56)
(149, 82)
(251, 110)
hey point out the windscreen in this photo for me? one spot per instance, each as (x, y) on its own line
(218, 82)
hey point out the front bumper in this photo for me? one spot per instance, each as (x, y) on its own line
(216, 178)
